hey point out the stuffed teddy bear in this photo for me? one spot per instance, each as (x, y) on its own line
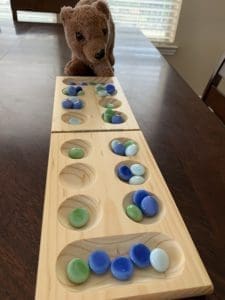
(89, 32)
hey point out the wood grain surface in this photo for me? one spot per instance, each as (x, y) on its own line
(93, 181)
(91, 115)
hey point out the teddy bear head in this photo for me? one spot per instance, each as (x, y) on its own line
(87, 29)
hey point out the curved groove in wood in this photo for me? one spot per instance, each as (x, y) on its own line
(92, 205)
(77, 176)
(146, 220)
(119, 113)
(119, 245)
(66, 117)
(76, 143)
(110, 100)
(129, 163)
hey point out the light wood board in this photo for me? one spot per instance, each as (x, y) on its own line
(91, 114)
(92, 182)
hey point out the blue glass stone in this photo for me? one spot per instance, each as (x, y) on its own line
(67, 104)
(138, 196)
(114, 142)
(135, 180)
(110, 88)
(139, 254)
(159, 260)
(117, 119)
(74, 121)
(99, 262)
(71, 90)
(119, 149)
(124, 173)
(83, 83)
(122, 268)
(137, 169)
(131, 150)
(109, 105)
(149, 206)
(77, 104)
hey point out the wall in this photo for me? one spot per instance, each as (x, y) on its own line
(201, 40)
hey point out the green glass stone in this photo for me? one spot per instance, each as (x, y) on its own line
(77, 270)
(64, 91)
(99, 87)
(78, 217)
(134, 213)
(102, 93)
(128, 143)
(80, 93)
(108, 114)
(76, 152)
(109, 110)
(107, 118)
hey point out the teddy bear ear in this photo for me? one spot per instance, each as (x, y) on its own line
(66, 13)
(102, 7)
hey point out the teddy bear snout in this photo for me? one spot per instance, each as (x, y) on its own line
(100, 54)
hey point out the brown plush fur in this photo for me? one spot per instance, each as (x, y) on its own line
(89, 31)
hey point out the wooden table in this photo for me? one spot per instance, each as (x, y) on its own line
(187, 140)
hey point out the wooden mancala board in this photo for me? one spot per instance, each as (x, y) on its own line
(92, 182)
(94, 106)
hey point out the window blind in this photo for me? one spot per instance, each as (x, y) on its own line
(5, 12)
(156, 18)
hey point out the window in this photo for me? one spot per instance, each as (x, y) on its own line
(156, 18)
(5, 12)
